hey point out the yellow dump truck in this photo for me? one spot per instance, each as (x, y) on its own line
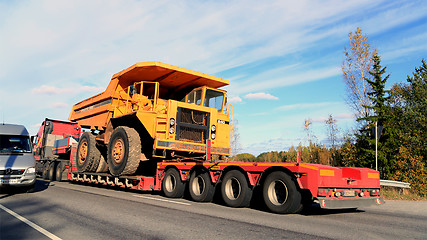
(152, 112)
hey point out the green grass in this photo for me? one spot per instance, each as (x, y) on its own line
(389, 193)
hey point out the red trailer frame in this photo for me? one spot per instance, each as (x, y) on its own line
(331, 187)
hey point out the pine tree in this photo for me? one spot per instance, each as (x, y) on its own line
(366, 139)
(377, 95)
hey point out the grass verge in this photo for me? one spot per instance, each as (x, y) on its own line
(390, 193)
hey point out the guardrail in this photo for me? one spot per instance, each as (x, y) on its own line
(397, 184)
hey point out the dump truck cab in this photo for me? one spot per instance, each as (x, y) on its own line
(153, 111)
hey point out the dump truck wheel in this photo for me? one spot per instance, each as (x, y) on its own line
(201, 188)
(103, 166)
(235, 189)
(172, 185)
(88, 154)
(124, 151)
(281, 194)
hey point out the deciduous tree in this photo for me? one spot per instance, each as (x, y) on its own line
(235, 143)
(332, 130)
(356, 67)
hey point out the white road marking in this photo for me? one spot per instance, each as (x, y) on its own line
(31, 224)
(163, 200)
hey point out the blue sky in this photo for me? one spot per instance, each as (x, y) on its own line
(283, 58)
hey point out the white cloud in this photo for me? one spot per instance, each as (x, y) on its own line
(307, 105)
(343, 116)
(234, 100)
(44, 89)
(277, 78)
(91, 89)
(59, 105)
(261, 95)
(319, 119)
(51, 90)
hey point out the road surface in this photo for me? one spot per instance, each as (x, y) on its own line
(62, 210)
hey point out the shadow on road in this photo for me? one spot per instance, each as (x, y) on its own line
(315, 209)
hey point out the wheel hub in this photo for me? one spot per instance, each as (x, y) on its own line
(83, 152)
(233, 189)
(118, 151)
(278, 193)
(198, 186)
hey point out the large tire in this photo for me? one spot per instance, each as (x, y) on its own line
(51, 171)
(88, 155)
(124, 151)
(201, 188)
(172, 185)
(45, 170)
(103, 165)
(59, 171)
(235, 189)
(281, 194)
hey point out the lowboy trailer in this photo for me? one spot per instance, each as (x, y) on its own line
(158, 127)
(286, 187)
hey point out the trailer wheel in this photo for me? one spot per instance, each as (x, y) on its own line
(124, 151)
(235, 189)
(51, 171)
(59, 171)
(281, 194)
(88, 154)
(201, 188)
(45, 170)
(172, 185)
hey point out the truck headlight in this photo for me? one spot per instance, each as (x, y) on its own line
(31, 170)
(213, 129)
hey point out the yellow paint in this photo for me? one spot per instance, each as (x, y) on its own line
(276, 164)
(327, 172)
(374, 175)
(309, 166)
(236, 164)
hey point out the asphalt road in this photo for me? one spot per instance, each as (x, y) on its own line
(61, 210)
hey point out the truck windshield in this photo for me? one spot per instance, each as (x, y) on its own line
(214, 99)
(195, 97)
(14, 143)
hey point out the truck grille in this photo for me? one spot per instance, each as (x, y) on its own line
(12, 172)
(193, 117)
(192, 125)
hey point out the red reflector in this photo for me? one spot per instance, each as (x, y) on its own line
(208, 149)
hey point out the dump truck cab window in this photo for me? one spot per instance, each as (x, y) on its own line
(195, 97)
(214, 99)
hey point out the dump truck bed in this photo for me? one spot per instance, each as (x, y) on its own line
(170, 76)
